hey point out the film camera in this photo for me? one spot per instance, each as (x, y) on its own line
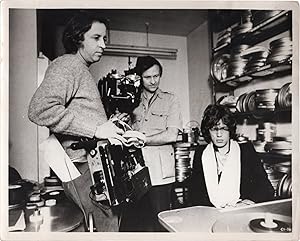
(120, 92)
(118, 172)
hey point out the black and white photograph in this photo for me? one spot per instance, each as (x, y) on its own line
(150, 120)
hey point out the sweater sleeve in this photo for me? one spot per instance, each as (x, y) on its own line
(49, 104)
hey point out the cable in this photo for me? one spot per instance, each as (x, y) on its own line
(120, 216)
(98, 204)
(104, 208)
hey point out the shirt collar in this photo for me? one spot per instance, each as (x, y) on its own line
(158, 93)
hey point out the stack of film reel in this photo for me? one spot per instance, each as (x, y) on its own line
(259, 16)
(284, 97)
(224, 37)
(182, 161)
(246, 102)
(284, 188)
(282, 146)
(17, 195)
(264, 134)
(278, 170)
(237, 64)
(279, 175)
(266, 99)
(244, 26)
(256, 57)
(280, 50)
(273, 175)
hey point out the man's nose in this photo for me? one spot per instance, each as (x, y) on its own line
(219, 132)
(102, 44)
(153, 80)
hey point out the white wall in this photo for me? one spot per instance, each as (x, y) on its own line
(198, 69)
(22, 84)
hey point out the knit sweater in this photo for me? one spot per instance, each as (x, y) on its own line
(68, 102)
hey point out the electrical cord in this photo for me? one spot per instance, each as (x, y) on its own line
(98, 204)
(120, 218)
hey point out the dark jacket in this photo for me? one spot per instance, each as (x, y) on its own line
(255, 184)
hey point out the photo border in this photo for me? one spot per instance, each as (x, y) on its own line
(88, 4)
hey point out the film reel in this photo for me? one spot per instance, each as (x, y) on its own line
(259, 226)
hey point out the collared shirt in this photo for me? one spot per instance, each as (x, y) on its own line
(151, 118)
(155, 116)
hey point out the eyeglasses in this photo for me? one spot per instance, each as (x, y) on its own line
(221, 129)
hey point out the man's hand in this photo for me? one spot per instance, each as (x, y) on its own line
(121, 116)
(109, 130)
(135, 138)
(240, 203)
(244, 202)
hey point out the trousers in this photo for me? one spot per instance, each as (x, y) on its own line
(78, 190)
(142, 215)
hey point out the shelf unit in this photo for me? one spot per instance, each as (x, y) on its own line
(269, 69)
(274, 158)
(259, 33)
(264, 113)
(264, 31)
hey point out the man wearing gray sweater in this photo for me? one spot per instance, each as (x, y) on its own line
(69, 104)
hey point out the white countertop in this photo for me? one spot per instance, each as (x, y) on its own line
(208, 219)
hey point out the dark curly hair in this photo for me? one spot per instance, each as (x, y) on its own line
(146, 62)
(75, 29)
(212, 115)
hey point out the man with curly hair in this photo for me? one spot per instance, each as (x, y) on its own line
(68, 103)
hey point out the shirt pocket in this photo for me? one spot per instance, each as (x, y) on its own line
(167, 162)
(159, 119)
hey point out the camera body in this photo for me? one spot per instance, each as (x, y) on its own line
(118, 173)
(120, 92)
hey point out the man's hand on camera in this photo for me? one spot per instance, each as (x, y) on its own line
(109, 130)
(121, 116)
